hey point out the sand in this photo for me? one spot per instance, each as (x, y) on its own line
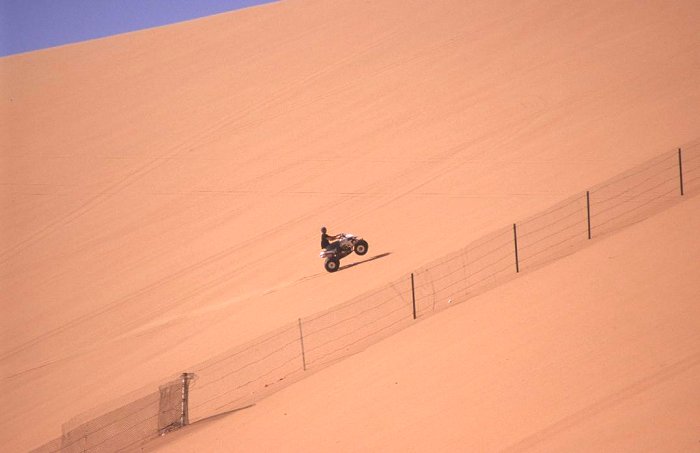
(163, 189)
(576, 356)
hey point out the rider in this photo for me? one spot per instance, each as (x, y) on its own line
(326, 240)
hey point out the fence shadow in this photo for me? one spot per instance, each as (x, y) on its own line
(163, 441)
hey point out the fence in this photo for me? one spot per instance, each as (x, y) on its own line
(248, 373)
(252, 371)
(130, 425)
(560, 230)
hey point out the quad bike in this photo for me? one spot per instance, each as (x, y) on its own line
(347, 244)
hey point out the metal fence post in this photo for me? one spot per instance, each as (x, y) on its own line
(413, 295)
(301, 339)
(515, 238)
(680, 169)
(588, 212)
(186, 377)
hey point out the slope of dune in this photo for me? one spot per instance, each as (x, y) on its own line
(163, 190)
(599, 351)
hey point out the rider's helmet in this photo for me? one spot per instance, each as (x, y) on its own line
(323, 229)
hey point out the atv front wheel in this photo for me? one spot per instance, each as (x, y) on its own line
(361, 247)
(332, 264)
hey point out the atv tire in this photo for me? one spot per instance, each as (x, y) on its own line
(361, 247)
(332, 264)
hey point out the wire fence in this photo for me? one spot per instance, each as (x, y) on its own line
(481, 265)
(250, 372)
(246, 374)
(562, 229)
(127, 427)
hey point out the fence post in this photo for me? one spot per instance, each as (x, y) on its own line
(186, 377)
(413, 295)
(680, 169)
(588, 212)
(301, 339)
(515, 238)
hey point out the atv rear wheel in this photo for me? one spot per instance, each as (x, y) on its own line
(361, 247)
(332, 264)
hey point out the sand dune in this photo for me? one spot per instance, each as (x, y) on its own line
(163, 190)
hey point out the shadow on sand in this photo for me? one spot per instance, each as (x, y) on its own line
(347, 266)
(163, 441)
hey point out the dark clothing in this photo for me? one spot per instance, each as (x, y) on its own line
(325, 242)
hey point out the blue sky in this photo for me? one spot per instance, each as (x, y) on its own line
(27, 25)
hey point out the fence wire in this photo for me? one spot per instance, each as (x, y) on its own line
(129, 426)
(635, 195)
(482, 264)
(352, 326)
(246, 374)
(553, 233)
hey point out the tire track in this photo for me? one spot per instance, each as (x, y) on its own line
(101, 197)
(197, 139)
(241, 119)
(212, 259)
